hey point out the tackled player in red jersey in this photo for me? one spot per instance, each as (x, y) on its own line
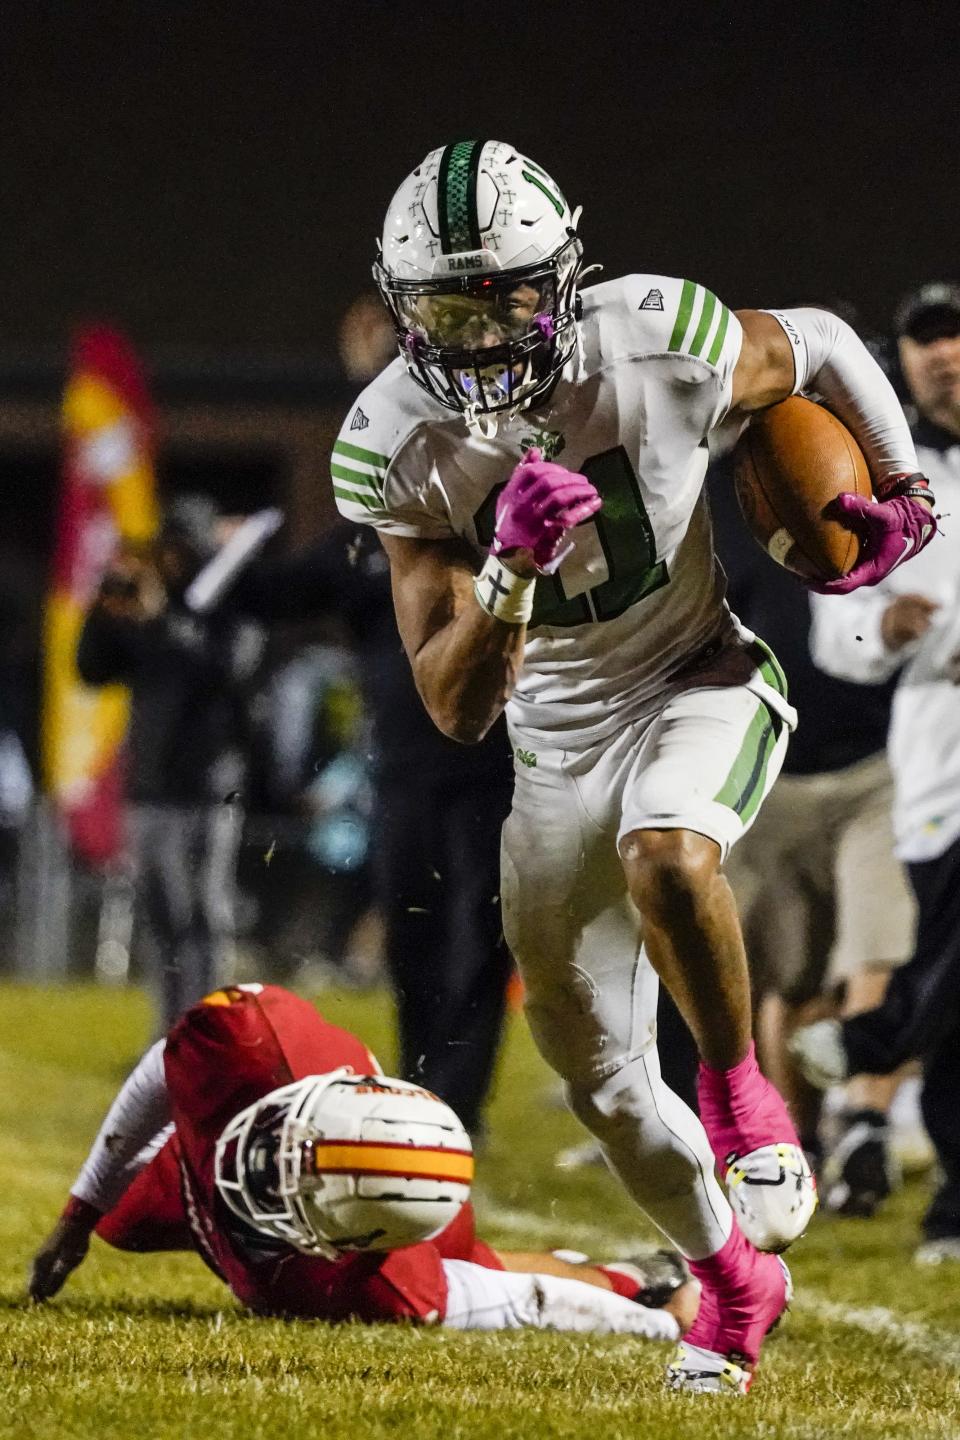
(209, 1102)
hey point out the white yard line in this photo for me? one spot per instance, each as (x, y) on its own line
(941, 1347)
(938, 1346)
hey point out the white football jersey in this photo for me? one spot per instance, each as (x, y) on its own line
(641, 595)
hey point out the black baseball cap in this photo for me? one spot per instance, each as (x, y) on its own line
(929, 312)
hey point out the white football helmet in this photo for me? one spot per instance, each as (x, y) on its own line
(478, 267)
(342, 1162)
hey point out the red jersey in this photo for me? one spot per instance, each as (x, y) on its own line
(221, 1056)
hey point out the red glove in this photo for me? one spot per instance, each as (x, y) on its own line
(63, 1250)
(539, 504)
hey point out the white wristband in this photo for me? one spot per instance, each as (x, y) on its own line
(503, 594)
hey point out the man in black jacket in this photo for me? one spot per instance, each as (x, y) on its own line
(440, 807)
(188, 676)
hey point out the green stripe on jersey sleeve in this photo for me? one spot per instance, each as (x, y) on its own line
(703, 328)
(700, 309)
(356, 452)
(352, 497)
(358, 471)
(720, 336)
(683, 315)
(346, 482)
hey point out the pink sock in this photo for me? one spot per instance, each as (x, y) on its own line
(743, 1294)
(741, 1110)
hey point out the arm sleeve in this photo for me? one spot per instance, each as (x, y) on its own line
(137, 1119)
(482, 1299)
(845, 638)
(831, 359)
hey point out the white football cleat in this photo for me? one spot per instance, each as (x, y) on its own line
(699, 1371)
(819, 1052)
(773, 1194)
(704, 1372)
(945, 1251)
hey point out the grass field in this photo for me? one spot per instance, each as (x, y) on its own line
(137, 1348)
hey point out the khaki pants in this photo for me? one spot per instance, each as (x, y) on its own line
(820, 892)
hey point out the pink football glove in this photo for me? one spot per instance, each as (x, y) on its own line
(890, 532)
(539, 505)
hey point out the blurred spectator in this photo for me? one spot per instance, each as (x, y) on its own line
(307, 851)
(189, 675)
(823, 901)
(21, 585)
(438, 807)
(438, 811)
(911, 623)
(367, 339)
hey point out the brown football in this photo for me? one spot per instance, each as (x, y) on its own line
(788, 465)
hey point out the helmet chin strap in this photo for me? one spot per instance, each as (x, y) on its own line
(482, 423)
(486, 423)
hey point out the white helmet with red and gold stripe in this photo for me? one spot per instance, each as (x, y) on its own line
(340, 1162)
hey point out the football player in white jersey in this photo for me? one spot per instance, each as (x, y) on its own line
(584, 597)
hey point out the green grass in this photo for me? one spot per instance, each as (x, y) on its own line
(141, 1347)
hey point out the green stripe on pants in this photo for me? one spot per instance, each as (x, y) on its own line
(771, 670)
(752, 801)
(738, 789)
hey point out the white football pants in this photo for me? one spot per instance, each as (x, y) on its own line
(704, 763)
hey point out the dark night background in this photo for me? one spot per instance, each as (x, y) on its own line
(212, 175)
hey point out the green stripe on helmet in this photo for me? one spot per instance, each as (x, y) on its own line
(457, 196)
(557, 204)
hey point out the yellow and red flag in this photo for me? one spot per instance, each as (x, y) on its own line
(107, 495)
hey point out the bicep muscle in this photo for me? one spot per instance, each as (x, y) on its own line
(432, 581)
(765, 372)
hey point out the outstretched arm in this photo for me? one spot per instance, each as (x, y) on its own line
(122, 1148)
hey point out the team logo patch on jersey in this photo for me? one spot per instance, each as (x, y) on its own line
(550, 443)
(360, 421)
(653, 300)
